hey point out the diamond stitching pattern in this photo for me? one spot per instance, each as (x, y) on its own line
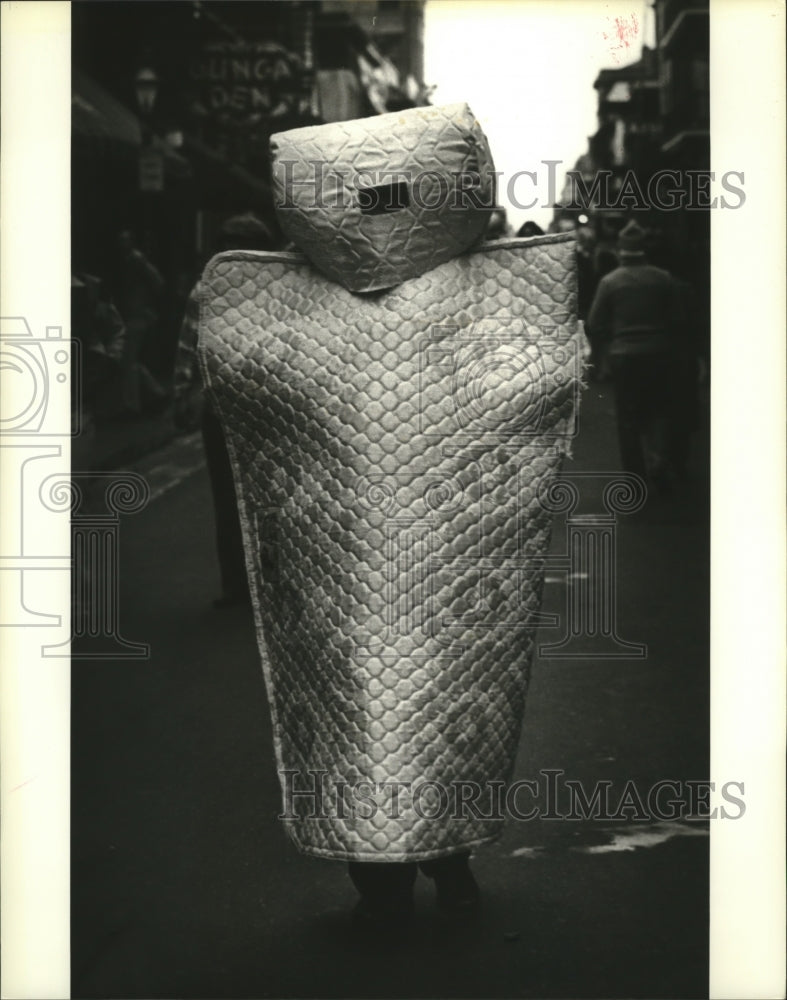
(367, 253)
(387, 451)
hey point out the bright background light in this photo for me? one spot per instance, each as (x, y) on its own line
(526, 68)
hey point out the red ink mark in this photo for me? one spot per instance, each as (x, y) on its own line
(17, 787)
(624, 33)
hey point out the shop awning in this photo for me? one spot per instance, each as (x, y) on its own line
(96, 115)
(101, 126)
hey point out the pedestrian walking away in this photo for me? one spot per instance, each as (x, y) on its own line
(638, 326)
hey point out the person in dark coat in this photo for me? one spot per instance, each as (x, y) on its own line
(638, 323)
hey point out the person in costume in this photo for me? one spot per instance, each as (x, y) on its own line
(396, 398)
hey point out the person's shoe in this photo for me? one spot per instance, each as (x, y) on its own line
(457, 891)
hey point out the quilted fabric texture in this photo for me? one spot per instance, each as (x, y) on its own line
(378, 201)
(388, 450)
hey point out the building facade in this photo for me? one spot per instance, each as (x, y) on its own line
(175, 103)
(650, 156)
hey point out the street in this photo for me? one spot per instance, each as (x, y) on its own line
(184, 884)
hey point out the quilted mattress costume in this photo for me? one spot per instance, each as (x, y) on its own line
(396, 400)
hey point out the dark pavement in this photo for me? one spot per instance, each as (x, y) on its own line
(184, 884)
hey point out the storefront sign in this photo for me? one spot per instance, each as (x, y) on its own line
(245, 81)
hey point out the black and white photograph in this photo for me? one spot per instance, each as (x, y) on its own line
(395, 399)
